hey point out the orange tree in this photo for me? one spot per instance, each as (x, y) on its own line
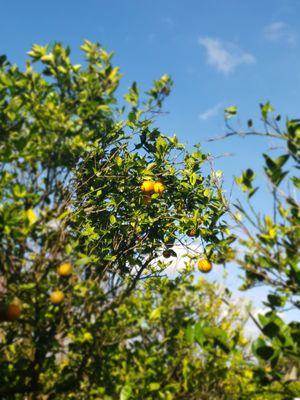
(269, 249)
(91, 195)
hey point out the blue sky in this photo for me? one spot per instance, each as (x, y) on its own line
(219, 53)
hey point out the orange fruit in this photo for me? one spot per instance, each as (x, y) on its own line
(147, 187)
(57, 297)
(65, 269)
(13, 312)
(159, 187)
(204, 265)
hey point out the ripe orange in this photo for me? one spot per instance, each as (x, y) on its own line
(159, 187)
(57, 297)
(13, 312)
(204, 265)
(147, 187)
(65, 269)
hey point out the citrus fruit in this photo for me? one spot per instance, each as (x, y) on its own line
(57, 297)
(204, 265)
(159, 187)
(147, 187)
(65, 269)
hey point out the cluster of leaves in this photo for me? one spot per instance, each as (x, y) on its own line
(270, 247)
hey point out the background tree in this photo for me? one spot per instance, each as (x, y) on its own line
(269, 248)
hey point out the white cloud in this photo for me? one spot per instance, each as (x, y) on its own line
(279, 31)
(211, 112)
(224, 56)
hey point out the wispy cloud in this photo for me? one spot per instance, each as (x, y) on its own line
(224, 56)
(280, 31)
(211, 112)
(167, 21)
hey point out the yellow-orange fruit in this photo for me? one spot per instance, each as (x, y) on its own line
(204, 265)
(159, 187)
(65, 269)
(57, 297)
(147, 187)
(13, 312)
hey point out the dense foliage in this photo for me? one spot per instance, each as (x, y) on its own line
(94, 202)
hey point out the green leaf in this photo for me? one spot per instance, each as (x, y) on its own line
(19, 191)
(276, 300)
(266, 109)
(281, 160)
(112, 219)
(262, 350)
(132, 97)
(230, 112)
(153, 386)
(156, 313)
(271, 329)
(190, 334)
(199, 333)
(265, 352)
(104, 108)
(126, 392)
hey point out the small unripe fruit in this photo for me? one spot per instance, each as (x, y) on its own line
(65, 269)
(159, 187)
(147, 187)
(204, 265)
(57, 297)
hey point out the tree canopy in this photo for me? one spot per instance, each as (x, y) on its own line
(94, 201)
